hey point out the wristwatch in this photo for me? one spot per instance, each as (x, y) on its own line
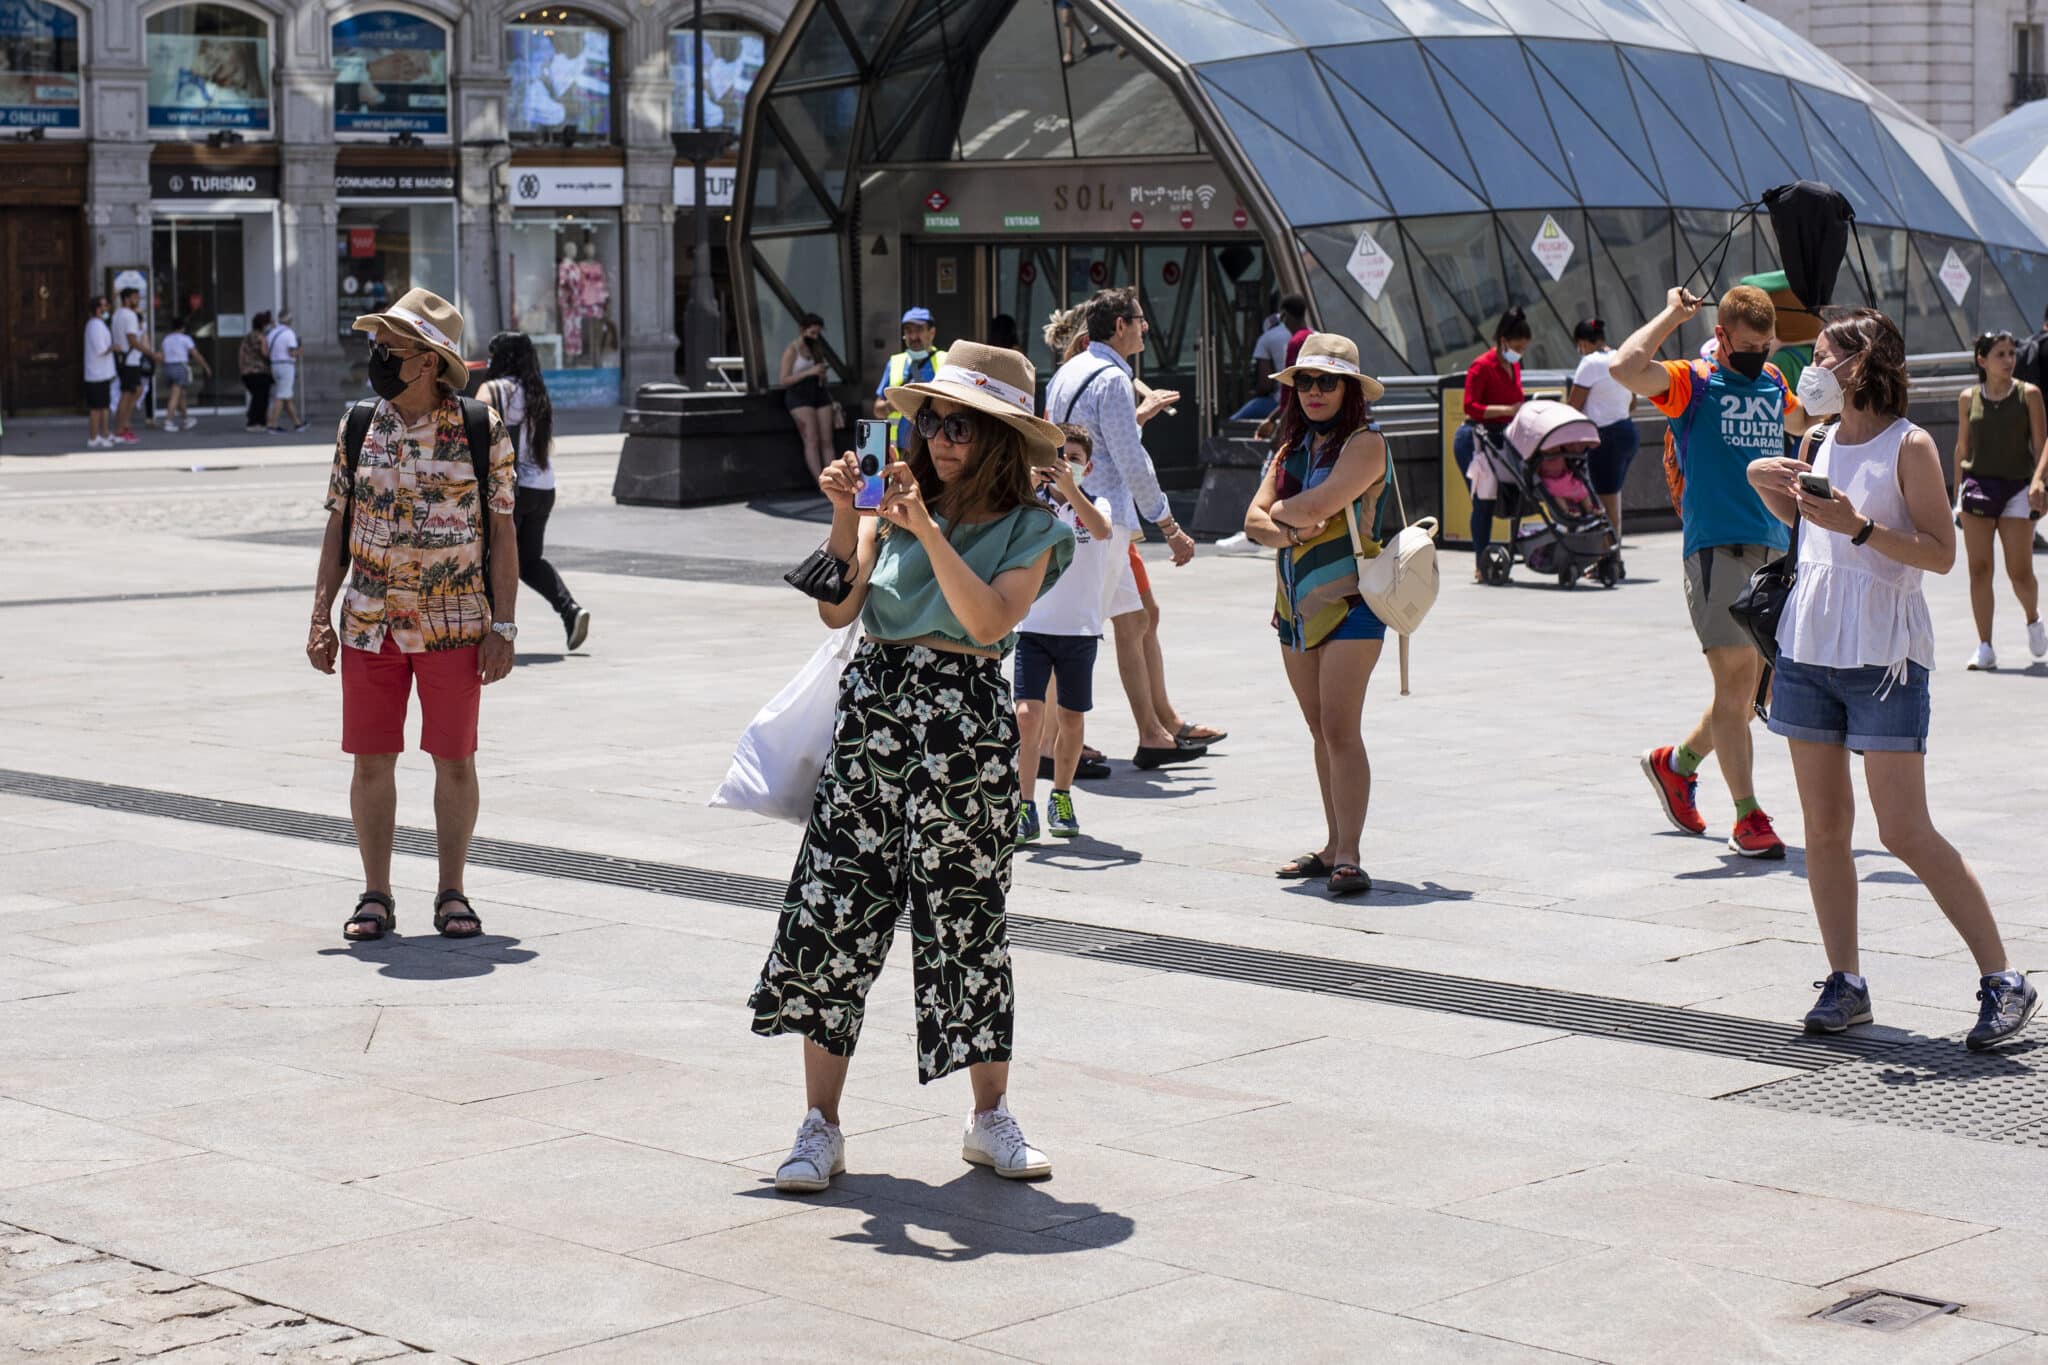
(505, 630)
(1869, 527)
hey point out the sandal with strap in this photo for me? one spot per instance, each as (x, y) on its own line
(380, 922)
(1306, 866)
(1348, 879)
(443, 918)
(1191, 733)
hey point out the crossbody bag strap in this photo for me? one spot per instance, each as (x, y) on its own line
(1082, 392)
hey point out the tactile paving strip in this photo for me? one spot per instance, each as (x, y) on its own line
(1635, 1021)
(1935, 1085)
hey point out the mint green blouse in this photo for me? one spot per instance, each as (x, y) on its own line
(904, 599)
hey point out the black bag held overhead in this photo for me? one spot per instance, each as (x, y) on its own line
(821, 576)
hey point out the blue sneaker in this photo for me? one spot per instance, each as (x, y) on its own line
(1840, 1006)
(2003, 1010)
(1027, 825)
(1060, 820)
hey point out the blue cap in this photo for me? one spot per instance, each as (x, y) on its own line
(923, 315)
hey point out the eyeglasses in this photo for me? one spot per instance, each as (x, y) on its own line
(960, 427)
(381, 353)
(1319, 383)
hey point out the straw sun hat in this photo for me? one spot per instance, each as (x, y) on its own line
(424, 316)
(1328, 353)
(991, 380)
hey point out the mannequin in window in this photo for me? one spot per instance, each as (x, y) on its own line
(597, 298)
(569, 295)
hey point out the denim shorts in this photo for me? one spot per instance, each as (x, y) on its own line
(1857, 708)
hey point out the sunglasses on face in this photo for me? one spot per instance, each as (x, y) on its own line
(959, 427)
(1319, 383)
(382, 353)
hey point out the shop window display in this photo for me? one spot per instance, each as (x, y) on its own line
(560, 68)
(732, 59)
(209, 67)
(385, 249)
(390, 74)
(565, 296)
(38, 65)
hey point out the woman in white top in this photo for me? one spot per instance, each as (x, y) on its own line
(1855, 644)
(181, 355)
(1610, 406)
(514, 389)
(99, 376)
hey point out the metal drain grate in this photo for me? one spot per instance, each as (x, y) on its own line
(1591, 1015)
(1935, 1085)
(1883, 1311)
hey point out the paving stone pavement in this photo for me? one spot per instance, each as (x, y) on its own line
(554, 1142)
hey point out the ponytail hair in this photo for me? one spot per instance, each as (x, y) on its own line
(1513, 326)
(1592, 331)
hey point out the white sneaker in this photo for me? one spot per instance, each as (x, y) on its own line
(819, 1154)
(1985, 660)
(2037, 638)
(994, 1140)
(1239, 544)
(191, 422)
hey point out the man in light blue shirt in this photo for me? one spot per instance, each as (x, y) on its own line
(1094, 390)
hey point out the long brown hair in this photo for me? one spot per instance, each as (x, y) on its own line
(1352, 414)
(997, 481)
(1873, 356)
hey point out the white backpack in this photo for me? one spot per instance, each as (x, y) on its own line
(1400, 582)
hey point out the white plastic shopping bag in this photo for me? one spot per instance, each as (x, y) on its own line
(775, 768)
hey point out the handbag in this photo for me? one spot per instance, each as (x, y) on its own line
(822, 576)
(1761, 603)
(1400, 582)
(781, 754)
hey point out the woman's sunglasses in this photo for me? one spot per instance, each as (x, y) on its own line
(1319, 383)
(960, 427)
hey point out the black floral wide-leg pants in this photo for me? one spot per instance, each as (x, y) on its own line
(917, 808)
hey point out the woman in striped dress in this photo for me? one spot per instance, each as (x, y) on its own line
(1331, 458)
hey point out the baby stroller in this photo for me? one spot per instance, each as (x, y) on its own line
(1540, 467)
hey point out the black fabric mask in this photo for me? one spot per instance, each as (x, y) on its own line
(1324, 427)
(386, 381)
(1748, 364)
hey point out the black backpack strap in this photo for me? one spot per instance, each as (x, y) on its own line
(476, 426)
(354, 432)
(1082, 392)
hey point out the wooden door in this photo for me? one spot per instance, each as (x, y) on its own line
(42, 310)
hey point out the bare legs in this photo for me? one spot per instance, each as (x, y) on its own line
(1329, 685)
(2016, 538)
(1610, 503)
(825, 1081)
(814, 424)
(1898, 794)
(1134, 667)
(1724, 726)
(373, 805)
(1031, 728)
(1978, 535)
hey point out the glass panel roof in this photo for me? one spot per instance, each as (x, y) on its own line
(1199, 34)
(1393, 78)
(1413, 178)
(1308, 188)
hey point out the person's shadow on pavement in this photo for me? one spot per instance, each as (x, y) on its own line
(900, 1206)
(435, 958)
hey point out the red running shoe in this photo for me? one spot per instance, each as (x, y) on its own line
(1753, 837)
(1676, 793)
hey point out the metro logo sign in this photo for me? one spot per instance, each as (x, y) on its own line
(936, 201)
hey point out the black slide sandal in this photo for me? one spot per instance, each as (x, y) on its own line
(1308, 865)
(1348, 879)
(443, 918)
(382, 921)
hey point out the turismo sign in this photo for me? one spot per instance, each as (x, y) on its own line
(213, 182)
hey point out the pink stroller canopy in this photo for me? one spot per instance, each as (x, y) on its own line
(1546, 424)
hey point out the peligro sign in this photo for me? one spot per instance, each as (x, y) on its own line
(206, 182)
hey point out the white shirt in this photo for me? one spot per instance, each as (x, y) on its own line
(1075, 604)
(99, 351)
(510, 399)
(282, 342)
(1272, 347)
(1607, 402)
(127, 327)
(178, 348)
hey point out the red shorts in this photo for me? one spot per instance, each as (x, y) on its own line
(375, 688)
(1138, 571)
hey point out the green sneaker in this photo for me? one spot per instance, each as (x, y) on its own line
(1027, 825)
(1060, 820)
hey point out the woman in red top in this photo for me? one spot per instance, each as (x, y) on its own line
(1493, 391)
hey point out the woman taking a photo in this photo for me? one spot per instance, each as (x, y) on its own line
(514, 389)
(918, 803)
(803, 392)
(1493, 394)
(1609, 406)
(1999, 435)
(1331, 458)
(1855, 644)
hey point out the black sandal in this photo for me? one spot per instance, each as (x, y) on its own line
(443, 918)
(1186, 735)
(381, 921)
(1348, 879)
(1306, 866)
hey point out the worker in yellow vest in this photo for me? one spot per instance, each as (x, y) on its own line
(916, 363)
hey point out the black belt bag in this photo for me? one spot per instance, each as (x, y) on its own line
(1761, 606)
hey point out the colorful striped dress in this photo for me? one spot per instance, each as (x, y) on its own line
(1316, 596)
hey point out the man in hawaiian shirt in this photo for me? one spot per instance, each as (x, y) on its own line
(417, 609)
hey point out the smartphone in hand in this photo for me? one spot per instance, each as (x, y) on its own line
(1816, 486)
(871, 447)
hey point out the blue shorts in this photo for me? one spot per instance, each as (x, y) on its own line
(1358, 624)
(1068, 660)
(1607, 467)
(1856, 708)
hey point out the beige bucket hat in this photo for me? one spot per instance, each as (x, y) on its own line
(432, 321)
(1328, 353)
(990, 379)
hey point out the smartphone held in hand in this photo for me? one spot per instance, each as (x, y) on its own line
(1816, 486)
(871, 447)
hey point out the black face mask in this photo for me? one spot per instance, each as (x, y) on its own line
(1324, 427)
(385, 380)
(1748, 364)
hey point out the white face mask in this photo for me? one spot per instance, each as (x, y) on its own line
(1511, 355)
(1820, 393)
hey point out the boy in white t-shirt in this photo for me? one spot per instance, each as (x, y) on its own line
(1058, 639)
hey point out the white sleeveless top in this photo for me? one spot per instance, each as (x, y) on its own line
(1852, 607)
